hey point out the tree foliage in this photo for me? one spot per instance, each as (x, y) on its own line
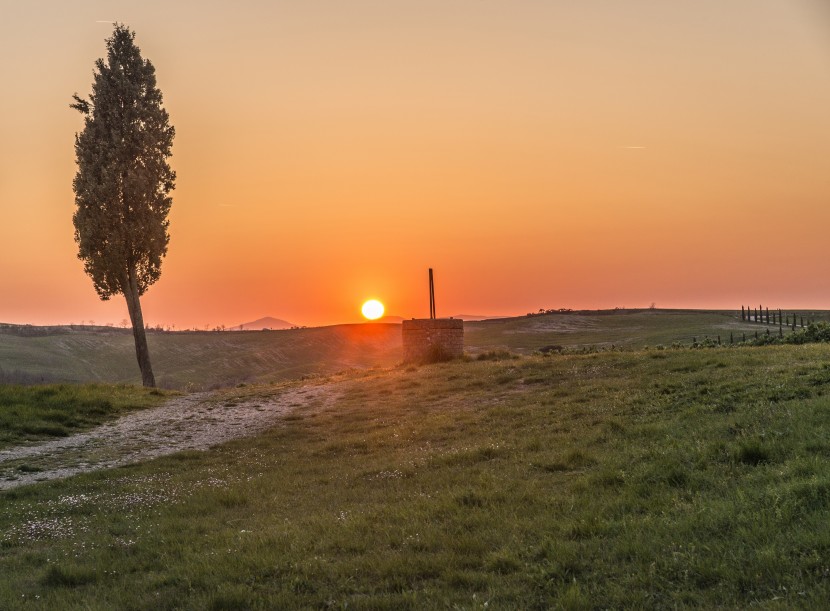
(123, 184)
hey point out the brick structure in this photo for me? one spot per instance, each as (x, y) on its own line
(432, 339)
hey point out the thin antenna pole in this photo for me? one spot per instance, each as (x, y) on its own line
(431, 295)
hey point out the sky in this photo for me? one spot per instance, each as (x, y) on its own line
(535, 153)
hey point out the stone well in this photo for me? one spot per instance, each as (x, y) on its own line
(432, 339)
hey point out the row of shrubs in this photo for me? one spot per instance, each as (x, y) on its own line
(815, 332)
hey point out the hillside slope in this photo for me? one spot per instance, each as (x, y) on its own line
(197, 360)
(604, 328)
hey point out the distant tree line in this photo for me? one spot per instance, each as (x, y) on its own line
(543, 311)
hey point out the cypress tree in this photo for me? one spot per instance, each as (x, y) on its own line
(123, 184)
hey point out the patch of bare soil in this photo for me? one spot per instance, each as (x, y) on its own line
(193, 422)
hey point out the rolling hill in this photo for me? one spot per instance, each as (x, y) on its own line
(208, 359)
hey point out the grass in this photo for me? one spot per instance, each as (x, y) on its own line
(642, 479)
(629, 329)
(32, 413)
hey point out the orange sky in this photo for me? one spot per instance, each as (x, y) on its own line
(535, 153)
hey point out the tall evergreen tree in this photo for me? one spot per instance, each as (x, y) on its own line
(123, 184)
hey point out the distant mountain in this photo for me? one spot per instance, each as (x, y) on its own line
(269, 322)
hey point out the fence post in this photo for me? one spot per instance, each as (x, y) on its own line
(742, 312)
(731, 338)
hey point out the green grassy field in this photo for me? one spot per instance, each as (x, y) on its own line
(32, 413)
(619, 328)
(647, 479)
(204, 360)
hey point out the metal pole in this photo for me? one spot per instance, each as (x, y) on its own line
(431, 295)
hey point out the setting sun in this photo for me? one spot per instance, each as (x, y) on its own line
(372, 309)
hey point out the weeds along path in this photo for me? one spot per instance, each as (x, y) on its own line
(193, 422)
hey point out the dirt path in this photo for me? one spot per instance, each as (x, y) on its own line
(194, 422)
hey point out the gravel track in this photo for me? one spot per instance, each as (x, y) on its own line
(193, 422)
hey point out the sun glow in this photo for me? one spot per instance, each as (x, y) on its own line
(372, 309)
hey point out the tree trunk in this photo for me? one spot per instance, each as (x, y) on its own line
(142, 353)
